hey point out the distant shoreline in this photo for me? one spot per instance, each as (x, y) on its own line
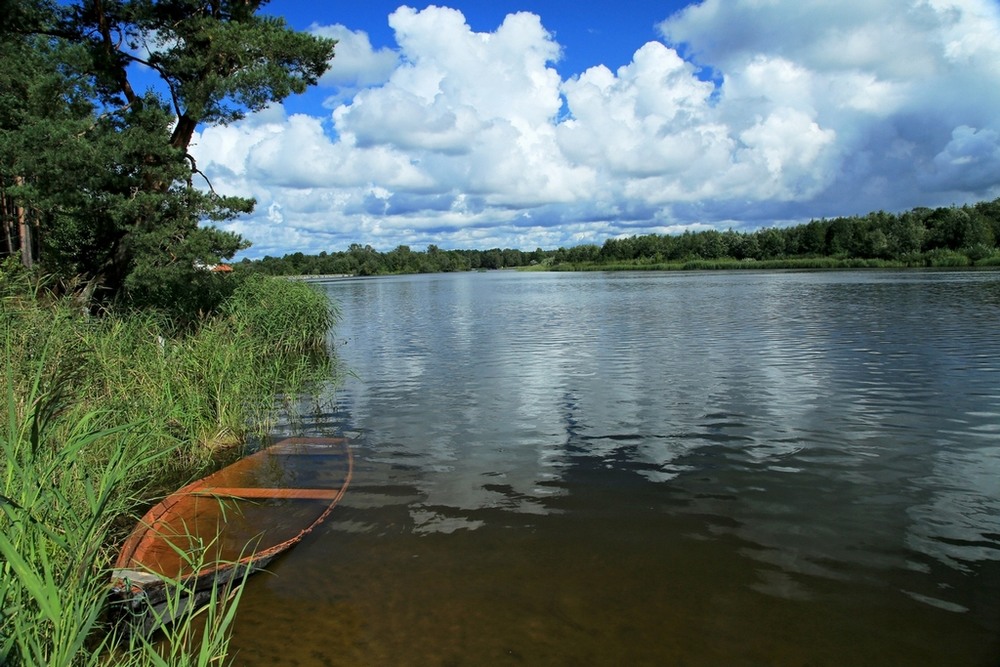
(682, 267)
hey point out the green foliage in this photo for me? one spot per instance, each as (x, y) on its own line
(60, 492)
(192, 634)
(219, 60)
(101, 415)
(966, 236)
(286, 315)
(991, 261)
(181, 284)
(943, 257)
(99, 171)
(361, 260)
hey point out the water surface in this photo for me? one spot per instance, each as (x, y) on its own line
(654, 468)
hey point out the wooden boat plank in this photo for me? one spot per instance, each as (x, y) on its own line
(239, 517)
(251, 492)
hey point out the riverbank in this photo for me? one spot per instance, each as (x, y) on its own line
(102, 416)
(937, 261)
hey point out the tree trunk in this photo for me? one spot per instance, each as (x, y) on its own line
(7, 216)
(24, 229)
(183, 131)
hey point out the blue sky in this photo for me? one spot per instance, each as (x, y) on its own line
(554, 123)
(590, 33)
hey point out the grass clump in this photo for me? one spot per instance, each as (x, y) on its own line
(102, 415)
(286, 315)
(194, 622)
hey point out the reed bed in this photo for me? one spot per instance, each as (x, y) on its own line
(103, 415)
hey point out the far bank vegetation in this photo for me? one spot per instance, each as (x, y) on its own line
(965, 236)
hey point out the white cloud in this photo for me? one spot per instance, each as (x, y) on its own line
(970, 161)
(476, 110)
(893, 80)
(470, 139)
(356, 64)
(649, 119)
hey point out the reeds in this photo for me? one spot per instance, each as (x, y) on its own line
(285, 315)
(100, 416)
(194, 622)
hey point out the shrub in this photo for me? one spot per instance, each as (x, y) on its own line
(942, 257)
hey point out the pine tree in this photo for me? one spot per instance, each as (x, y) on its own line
(96, 182)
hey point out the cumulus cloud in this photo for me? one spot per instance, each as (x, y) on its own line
(357, 63)
(755, 111)
(893, 80)
(970, 161)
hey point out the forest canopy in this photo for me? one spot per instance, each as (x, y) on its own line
(948, 236)
(99, 100)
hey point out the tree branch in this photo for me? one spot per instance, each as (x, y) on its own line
(97, 120)
(174, 99)
(111, 51)
(196, 170)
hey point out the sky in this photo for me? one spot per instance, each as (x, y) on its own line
(549, 123)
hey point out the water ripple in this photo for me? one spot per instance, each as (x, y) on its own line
(811, 438)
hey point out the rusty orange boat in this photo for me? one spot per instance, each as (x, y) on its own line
(230, 523)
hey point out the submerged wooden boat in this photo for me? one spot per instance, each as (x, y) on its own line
(229, 523)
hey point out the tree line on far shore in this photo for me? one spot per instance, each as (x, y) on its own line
(922, 237)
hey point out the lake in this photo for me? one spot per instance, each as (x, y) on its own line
(712, 468)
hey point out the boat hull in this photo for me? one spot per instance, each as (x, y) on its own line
(230, 523)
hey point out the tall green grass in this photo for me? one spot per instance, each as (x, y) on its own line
(284, 315)
(102, 415)
(194, 624)
(991, 261)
